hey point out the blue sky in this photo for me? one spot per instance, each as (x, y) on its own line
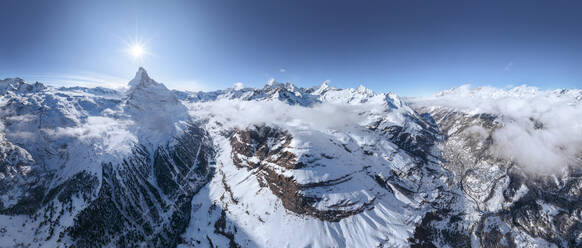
(408, 47)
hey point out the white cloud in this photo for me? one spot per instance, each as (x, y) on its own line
(241, 114)
(21, 118)
(85, 80)
(103, 134)
(541, 129)
(282, 70)
(238, 86)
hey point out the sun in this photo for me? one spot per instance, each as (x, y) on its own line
(137, 50)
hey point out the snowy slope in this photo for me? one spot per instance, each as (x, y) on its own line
(77, 152)
(330, 180)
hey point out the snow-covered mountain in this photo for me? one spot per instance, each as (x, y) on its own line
(288, 166)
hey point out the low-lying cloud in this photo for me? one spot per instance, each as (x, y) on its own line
(542, 129)
(241, 114)
(105, 135)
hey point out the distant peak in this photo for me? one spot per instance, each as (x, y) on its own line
(363, 90)
(323, 87)
(18, 84)
(12, 81)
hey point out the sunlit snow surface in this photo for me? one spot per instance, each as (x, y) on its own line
(327, 129)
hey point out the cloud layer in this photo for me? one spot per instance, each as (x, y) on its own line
(105, 135)
(241, 114)
(542, 130)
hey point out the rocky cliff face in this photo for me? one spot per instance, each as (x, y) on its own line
(264, 146)
(146, 199)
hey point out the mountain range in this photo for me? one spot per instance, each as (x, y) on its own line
(286, 166)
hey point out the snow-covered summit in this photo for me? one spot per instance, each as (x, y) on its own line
(322, 88)
(18, 85)
(488, 92)
(154, 107)
(145, 91)
(294, 95)
(142, 83)
(141, 79)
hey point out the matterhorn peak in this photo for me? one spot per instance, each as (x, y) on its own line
(143, 89)
(141, 72)
(154, 106)
(141, 80)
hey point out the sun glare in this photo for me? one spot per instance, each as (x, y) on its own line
(137, 50)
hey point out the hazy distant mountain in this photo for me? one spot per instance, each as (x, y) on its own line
(285, 166)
